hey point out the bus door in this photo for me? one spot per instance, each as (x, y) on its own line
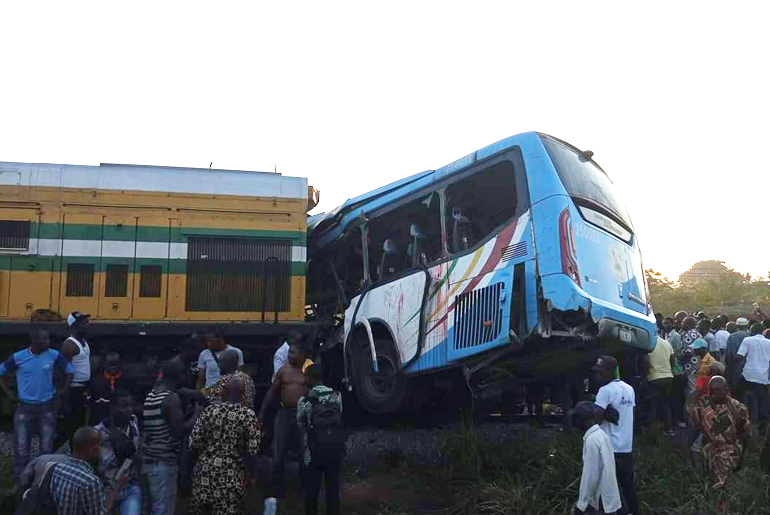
(404, 249)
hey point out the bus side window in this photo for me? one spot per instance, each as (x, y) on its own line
(478, 204)
(405, 236)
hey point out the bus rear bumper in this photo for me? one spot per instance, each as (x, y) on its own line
(629, 327)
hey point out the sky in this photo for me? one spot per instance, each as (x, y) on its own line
(671, 96)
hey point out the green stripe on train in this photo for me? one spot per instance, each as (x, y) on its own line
(111, 232)
(59, 264)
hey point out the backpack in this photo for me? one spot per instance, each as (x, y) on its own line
(326, 438)
(37, 499)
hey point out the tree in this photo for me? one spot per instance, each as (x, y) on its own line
(708, 286)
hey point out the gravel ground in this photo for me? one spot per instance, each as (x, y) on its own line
(422, 445)
(366, 445)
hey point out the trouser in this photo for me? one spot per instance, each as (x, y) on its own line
(286, 436)
(129, 500)
(678, 398)
(570, 393)
(332, 474)
(661, 401)
(755, 396)
(76, 418)
(161, 480)
(624, 472)
(28, 420)
(267, 429)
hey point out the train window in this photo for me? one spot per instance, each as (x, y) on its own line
(14, 235)
(150, 280)
(80, 280)
(116, 284)
(478, 204)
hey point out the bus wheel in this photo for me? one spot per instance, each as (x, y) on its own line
(383, 391)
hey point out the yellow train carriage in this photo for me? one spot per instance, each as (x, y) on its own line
(152, 249)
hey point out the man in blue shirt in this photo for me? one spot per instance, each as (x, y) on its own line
(37, 397)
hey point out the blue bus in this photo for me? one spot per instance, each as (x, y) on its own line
(517, 261)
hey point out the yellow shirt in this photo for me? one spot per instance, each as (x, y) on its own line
(660, 361)
(704, 364)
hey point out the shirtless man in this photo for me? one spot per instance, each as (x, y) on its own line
(289, 385)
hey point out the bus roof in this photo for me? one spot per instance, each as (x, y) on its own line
(325, 228)
(165, 179)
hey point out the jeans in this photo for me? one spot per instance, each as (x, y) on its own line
(333, 478)
(129, 500)
(286, 436)
(661, 401)
(624, 471)
(30, 419)
(161, 486)
(77, 415)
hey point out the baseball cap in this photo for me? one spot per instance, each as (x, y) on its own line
(743, 322)
(76, 317)
(700, 343)
(605, 364)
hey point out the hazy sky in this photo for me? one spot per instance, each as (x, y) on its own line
(672, 97)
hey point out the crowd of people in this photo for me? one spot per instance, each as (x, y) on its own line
(202, 435)
(707, 378)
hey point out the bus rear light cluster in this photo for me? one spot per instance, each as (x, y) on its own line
(567, 244)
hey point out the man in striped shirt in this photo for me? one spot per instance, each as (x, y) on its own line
(75, 488)
(164, 428)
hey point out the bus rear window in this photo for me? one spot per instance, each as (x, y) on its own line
(584, 180)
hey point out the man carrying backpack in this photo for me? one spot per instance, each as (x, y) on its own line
(319, 416)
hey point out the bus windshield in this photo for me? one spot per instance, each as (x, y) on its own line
(584, 180)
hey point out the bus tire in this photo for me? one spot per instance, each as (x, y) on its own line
(384, 391)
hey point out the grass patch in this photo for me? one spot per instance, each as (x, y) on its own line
(533, 476)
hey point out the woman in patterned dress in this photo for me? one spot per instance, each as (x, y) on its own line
(225, 440)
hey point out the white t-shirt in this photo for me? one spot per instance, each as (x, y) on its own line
(722, 337)
(756, 350)
(620, 396)
(207, 362)
(280, 358)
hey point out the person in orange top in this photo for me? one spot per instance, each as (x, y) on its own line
(705, 360)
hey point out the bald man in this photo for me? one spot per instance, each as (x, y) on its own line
(75, 487)
(226, 442)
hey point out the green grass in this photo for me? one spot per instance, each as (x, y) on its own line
(529, 475)
(535, 477)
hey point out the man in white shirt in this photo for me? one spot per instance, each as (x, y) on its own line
(598, 482)
(721, 336)
(755, 352)
(208, 361)
(280, 358)
(615, 404)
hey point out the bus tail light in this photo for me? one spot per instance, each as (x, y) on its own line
(567, 243)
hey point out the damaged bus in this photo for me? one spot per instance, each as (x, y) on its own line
(515, 262)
